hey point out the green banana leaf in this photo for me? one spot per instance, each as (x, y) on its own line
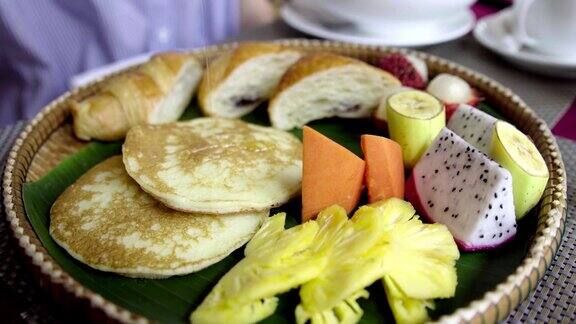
(171, 300)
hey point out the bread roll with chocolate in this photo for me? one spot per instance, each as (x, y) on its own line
(236, 82)
(156, 92)
(324, 85)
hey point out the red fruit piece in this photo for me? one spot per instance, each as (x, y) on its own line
(402, 68)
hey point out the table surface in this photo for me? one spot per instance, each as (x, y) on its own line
(553, 300)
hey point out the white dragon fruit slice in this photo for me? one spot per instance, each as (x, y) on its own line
(460, 187)
(473, 125)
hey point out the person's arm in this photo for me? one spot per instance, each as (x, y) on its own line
(257, 12)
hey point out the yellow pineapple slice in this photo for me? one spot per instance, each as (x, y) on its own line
(427, 271)
(405, 309)
(354, 253)
(276, 261)
(428, 253)
(392, 211)
(334, 258)
(346, 311)
(385, 239)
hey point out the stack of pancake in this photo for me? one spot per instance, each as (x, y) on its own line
(181, 197)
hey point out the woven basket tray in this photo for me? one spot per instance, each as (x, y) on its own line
(48, 139)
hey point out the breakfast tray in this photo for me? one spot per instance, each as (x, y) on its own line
(46, 140)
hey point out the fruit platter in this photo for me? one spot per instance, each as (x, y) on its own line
(291, 181)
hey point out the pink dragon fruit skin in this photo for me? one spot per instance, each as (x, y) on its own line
(460, 187)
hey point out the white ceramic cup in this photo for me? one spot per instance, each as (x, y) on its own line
(381, 17)
(547, 26)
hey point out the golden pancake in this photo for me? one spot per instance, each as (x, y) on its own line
(107, 222)
(214, 165)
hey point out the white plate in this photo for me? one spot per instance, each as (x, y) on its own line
(347, 32)
(495, 33)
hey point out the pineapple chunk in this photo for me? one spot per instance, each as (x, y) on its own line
(427, 271)
(393, 211)
(428, 253)
(345, 312)
(276, 261)
(354, 253)
(334, 258)
(369, 247)
(405, 309)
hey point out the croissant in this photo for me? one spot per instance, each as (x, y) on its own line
(156, 92)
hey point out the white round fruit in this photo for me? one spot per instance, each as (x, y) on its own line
(450, 89)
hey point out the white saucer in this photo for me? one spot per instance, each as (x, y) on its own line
(495, 33)
(347, 32)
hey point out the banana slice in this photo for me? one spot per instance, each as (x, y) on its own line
(414, 120)
(516, 152)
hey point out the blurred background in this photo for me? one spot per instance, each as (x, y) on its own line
(44, 44)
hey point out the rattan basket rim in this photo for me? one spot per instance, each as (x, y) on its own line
(510, 292)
